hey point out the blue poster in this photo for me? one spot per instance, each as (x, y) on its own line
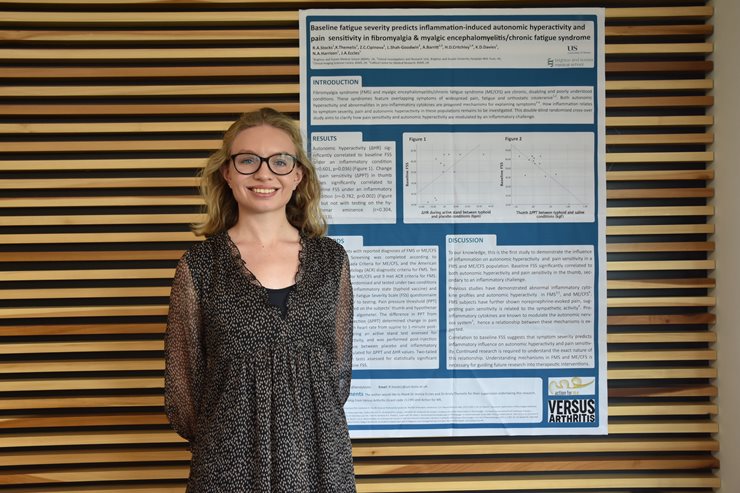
(461, 157)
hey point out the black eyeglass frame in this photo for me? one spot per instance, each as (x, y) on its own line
(263, 160)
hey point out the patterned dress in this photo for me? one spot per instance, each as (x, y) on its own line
(260, 396)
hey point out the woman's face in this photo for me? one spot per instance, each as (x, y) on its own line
(262, 191)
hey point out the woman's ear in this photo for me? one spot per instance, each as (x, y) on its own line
(298, 176)
(224, 170)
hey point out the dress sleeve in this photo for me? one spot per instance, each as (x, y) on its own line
(184, 354)
(345, 314)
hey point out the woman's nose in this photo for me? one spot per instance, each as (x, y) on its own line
(264, 171)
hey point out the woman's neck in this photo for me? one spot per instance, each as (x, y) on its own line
(263, 231)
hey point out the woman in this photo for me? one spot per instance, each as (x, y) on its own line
(259, 333)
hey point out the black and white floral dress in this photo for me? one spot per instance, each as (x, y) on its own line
(260, 396)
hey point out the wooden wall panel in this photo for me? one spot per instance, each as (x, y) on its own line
(108, 108)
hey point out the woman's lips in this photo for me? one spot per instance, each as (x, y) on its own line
(264, 191)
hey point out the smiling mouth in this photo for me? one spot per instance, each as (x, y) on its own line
(264, 190)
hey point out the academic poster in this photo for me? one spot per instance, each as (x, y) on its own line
(461, 157)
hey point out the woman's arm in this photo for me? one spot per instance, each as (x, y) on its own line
(345, 314)
(184, 354)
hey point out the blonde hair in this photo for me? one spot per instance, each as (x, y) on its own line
(303, 210)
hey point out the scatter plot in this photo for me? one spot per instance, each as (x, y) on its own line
(498, 175)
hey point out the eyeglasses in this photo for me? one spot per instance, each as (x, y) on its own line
(248, 164)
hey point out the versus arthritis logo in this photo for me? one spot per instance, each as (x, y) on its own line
(571, 411)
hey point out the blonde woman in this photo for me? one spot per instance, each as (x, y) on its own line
(259, 333)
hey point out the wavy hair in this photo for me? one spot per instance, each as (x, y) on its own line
(303, 210)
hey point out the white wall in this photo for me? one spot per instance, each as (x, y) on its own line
(727, 219)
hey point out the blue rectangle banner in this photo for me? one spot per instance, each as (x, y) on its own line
(462, 161)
